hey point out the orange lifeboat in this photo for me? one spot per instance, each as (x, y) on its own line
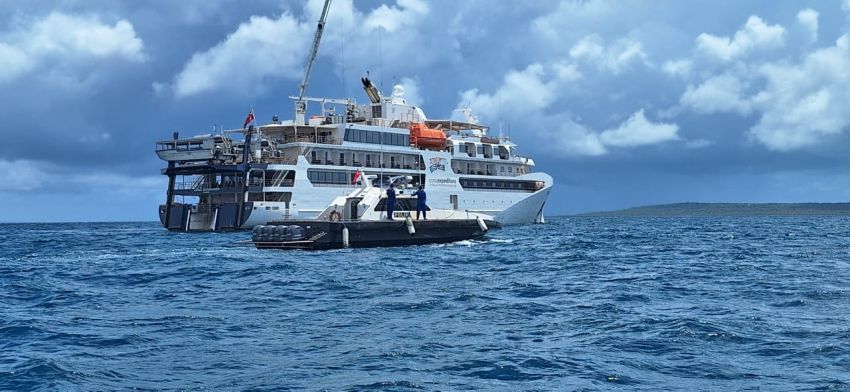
(424, 137)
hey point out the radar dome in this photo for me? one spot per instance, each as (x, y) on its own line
(398, 94)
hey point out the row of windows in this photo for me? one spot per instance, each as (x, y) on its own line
(347, 178)
(270, 196)
(330, 177)
(375, 137)
(485, 150)
(462, 167)
(530, 186)
(396, 161)
(180, 146)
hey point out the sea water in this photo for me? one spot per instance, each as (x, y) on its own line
(577, 303)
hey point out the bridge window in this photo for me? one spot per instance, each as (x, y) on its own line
(523, 186)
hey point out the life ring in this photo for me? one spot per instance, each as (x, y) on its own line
(334, 216)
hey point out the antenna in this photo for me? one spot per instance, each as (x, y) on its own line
(500, 114)
(342, 65)
(301, 103)
(381, 120)
(501, 136)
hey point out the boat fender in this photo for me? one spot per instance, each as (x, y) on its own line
(285, 233)
(481, 223)
(297, 232)
(345, 237)
(278, 234)
(256, 233)
(266, 234)
(409, 223)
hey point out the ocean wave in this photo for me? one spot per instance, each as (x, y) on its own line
(583, 303)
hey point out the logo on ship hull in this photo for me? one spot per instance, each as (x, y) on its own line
(437, 163)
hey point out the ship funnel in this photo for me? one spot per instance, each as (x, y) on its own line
(371, 91)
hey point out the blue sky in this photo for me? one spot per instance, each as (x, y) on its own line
(624, 102)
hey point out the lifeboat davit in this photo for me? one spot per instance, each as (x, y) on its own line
(424, 137)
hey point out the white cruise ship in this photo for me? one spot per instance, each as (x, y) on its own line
(293, 169)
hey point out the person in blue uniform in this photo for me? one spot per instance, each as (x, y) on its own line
(420, 202)
(390, 201)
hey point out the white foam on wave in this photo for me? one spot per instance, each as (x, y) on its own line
(456, 243)
(470, 243)
(464, 243)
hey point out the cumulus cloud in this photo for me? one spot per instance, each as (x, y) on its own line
(721, 93)
(14, 62)
(572, 138)
(553, 25)
(568, 137)
(756, 34)
(803, 103)
(411, 91)
(349, 25)
(392, 18)
(521, 92)
(681, 67)
(68, 34)
(614, 57)
(64, 39)
(638, 131)
(260, 48)
(808, 19)
(796, 104)
(264, 49)
(528, 93)
(567, 72)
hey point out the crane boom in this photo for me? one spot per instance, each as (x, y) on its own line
(301, 104)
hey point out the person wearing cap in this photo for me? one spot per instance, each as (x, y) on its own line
(390, 201)
(420, 202)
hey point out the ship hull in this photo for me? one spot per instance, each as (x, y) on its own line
(307, 201)
(367, 234)
(187, 217)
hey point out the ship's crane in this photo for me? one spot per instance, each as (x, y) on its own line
(301, 103)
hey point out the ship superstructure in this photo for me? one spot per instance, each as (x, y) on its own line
(292, 169)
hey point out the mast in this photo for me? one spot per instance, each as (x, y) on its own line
(301, 103)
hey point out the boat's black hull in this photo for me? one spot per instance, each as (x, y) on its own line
(378, 233)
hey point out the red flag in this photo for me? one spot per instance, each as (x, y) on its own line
(356, 177)
(249, 119)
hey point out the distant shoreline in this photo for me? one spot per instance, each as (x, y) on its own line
(658, 210)
(729, 209)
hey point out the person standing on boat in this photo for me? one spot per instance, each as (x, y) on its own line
(420, 202)
(390, 201)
